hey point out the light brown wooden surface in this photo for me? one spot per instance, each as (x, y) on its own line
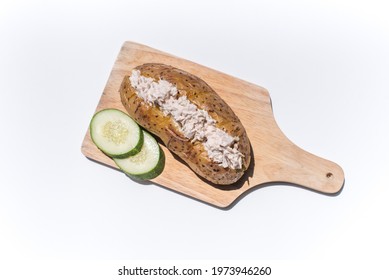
(275, 158)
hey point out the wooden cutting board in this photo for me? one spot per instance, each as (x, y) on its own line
(275, 158)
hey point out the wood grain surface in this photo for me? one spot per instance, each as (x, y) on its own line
(275, 159)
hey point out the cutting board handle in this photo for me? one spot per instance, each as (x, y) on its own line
(297, 166)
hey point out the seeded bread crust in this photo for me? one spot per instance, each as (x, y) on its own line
(204, 97)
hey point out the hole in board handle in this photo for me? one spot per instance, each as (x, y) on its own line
(329, 175)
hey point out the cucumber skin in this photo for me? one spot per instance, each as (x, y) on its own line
(152, 174)
(134, 151)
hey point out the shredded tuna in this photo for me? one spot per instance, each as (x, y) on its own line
(194, 123)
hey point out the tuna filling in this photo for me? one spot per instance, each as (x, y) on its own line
(194, 123)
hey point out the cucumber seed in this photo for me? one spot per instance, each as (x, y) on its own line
(115, 131)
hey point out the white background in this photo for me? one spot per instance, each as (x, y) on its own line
(325, 64)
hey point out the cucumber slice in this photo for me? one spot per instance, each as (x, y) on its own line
(145, 165)
(115, 133)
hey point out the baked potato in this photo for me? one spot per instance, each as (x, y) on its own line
(191, 119)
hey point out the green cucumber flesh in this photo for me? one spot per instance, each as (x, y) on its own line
(145, 165)
(115, 133)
